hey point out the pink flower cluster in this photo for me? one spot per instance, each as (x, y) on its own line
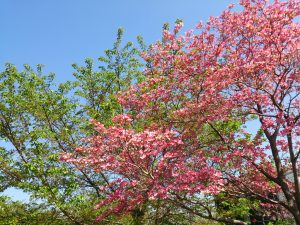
(239, 65)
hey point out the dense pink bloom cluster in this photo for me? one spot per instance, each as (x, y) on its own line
(241, 64)
(152, 164)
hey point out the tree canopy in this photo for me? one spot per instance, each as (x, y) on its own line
(181, 137)
(159, 134)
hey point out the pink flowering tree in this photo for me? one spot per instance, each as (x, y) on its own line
(183, 140)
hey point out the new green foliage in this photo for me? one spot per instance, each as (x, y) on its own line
(40, 120)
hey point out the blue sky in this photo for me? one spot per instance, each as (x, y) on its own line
(57, 33)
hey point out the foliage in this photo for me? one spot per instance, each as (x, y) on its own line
(118, 69)
(15, 213)
(39, 120)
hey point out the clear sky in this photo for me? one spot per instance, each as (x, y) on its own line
(57, 33)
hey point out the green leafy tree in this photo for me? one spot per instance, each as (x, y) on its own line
(16, 212)
(39, 121)
(118, 69)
